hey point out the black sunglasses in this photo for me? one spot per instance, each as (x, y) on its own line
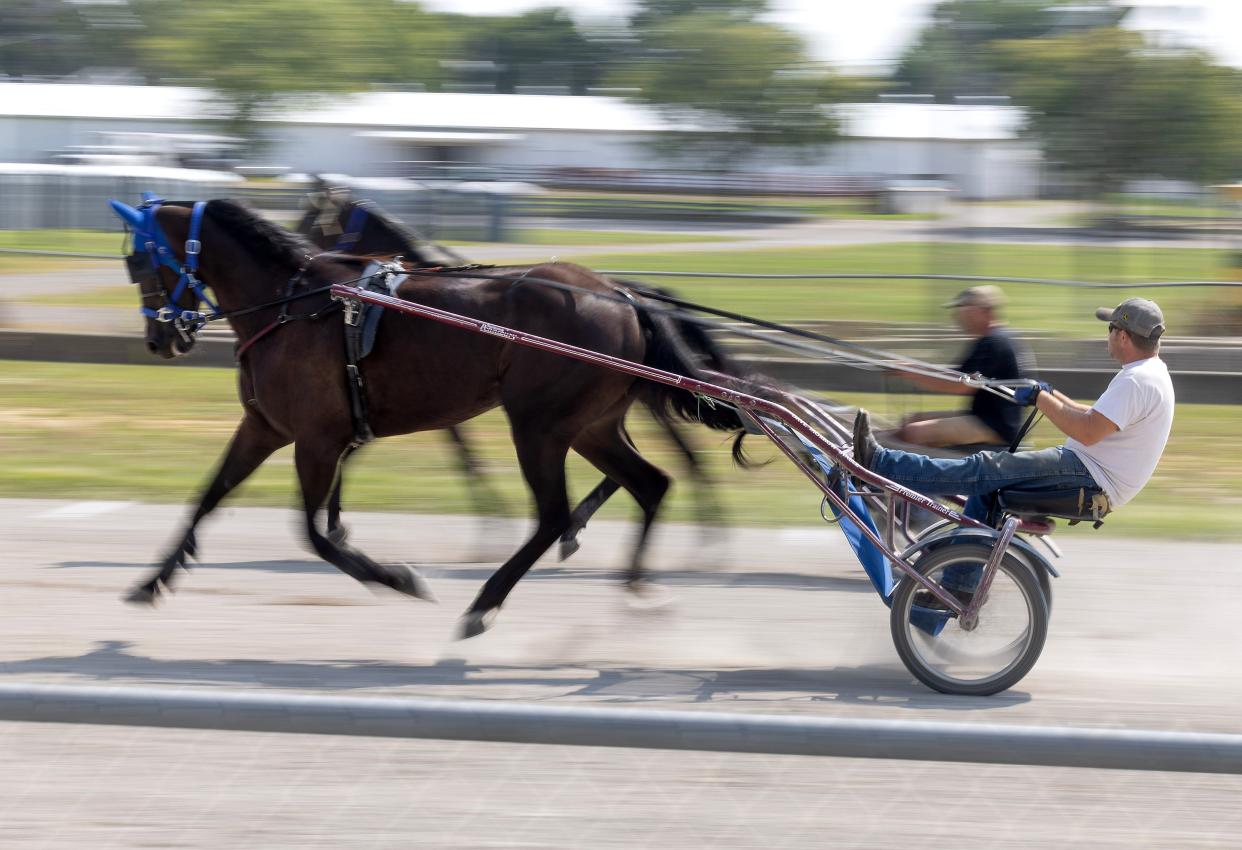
(1113, 326)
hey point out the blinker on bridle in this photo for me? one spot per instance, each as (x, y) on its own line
(152, 250)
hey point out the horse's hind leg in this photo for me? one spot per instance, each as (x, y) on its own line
(252, 443)
(542, 457)
(705, 503)
(708, 510)
(482, 495)
(585, 510)
(485, 500)
(610, 450)
(317, 464)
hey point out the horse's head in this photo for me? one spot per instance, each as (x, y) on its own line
(163, 263)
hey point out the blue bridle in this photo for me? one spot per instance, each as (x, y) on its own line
(149, 236)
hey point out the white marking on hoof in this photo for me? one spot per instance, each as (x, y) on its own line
(413, 584)
(475, 623)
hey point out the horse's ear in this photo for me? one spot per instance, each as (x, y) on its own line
(127, 213)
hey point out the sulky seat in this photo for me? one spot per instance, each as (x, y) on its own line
(1076, 504)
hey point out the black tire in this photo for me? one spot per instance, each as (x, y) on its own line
(1014, 620)
(1043, 576)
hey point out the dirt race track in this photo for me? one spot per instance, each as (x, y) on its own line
(775, 621)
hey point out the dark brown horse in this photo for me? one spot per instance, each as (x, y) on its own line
(335, 221)
(421, 375)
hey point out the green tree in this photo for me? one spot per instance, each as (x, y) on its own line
(541, 48)
(956, 53)
(53, 38)
(652, 13)
(1107, 108)
(749, 83)
(251, 54)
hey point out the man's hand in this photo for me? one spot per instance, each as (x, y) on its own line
(1026, 396)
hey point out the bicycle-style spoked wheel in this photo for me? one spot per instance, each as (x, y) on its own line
(1001, 647)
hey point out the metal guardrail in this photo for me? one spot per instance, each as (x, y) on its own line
(714, 211)
(75, 254)
(969, 278)
(964, 278)
(514, 723)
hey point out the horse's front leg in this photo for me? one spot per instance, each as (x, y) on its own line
(253, 442)
(337, 532)
(317, 462)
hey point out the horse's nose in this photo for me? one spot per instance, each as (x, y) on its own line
(152, 347)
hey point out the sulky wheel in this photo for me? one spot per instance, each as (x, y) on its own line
(992, 656)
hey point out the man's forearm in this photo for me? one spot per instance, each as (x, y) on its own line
(1073, 419)
(1067, 401)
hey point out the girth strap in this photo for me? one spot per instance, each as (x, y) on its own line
(361, 322)
(353, 375)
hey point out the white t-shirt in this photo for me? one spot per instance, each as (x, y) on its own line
(1139, 401)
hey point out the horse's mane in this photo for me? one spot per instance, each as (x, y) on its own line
(257, 235)
(408, 234)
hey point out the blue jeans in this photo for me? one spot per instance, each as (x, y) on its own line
(979, 476)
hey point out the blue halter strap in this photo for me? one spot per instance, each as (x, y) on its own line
(150, 237)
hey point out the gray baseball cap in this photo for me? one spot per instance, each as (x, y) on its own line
(979, 296)
(1137, 315)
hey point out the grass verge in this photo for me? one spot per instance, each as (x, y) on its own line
(153, 433)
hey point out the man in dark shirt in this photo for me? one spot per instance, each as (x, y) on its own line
(995, 354)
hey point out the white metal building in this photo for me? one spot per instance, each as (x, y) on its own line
(975, 148)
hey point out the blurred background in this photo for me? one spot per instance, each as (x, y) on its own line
(1050, 146)
(1074, 152)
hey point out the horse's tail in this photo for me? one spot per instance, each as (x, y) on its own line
(675, 346)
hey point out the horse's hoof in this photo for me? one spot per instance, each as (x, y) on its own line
(645, 596)
(337, 536)
(142, 595)
(569, 545)
(475, 623)
(407, 580)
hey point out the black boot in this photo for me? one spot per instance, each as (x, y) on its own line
(865, 443)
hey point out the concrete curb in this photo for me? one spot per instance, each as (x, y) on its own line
(515, 723)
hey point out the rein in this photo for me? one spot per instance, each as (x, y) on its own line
(853, 354)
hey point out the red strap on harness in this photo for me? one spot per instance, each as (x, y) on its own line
(243, 347)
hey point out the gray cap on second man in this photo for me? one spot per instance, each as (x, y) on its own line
(1137, 315)
(979, 296)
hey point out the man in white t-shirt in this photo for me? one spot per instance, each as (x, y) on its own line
(1113, 447)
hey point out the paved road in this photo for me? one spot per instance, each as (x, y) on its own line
(764, 620)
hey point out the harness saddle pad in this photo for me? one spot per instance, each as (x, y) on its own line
(386, 285)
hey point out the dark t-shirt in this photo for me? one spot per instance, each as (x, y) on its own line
(998, 355)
